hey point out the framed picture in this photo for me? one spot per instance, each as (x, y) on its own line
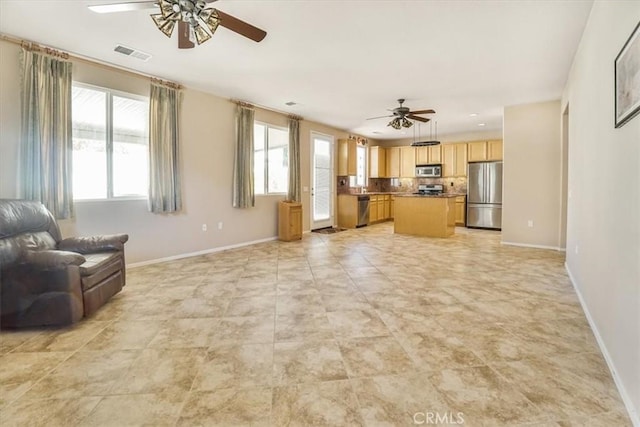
(627, 79)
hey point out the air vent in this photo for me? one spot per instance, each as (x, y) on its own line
(138, 54)
(290, 103)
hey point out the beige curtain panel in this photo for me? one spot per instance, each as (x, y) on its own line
(294, 192)
(46, 136)
(243, 191)
(165, 194)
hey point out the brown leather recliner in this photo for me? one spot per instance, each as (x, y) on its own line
(45, 280)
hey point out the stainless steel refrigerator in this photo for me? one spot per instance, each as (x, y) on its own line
(484, 195)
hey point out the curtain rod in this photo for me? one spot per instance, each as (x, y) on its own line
(262, 107)
(28, 44)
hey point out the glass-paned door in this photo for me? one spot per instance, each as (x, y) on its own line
(322, 193)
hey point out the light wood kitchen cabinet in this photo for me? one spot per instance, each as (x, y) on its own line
(347, 157)
(381, 215)
(477, 151)
(373, 209)
(391, 205)
(393, 162)
(407, 162)
(377, 162)
(430, 155)
(480, 151)
(460, 210)
(387, 206)
(454, 160)
(494, 150)
(289, 221)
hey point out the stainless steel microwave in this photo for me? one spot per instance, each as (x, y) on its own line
(429, 171)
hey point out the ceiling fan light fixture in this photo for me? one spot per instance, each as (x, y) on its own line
(201, 34)
(395, 123)
(165, 25)
(167, 8)
(406, 123)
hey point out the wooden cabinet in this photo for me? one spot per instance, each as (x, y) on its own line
(430, 155)
(480, 151)
(477, 151)
(393, 162)
(454, 160)
(373, 209)
(460, 210)
(377, 162)
(289, 221)
(387, 206)
(347, 157)
(494, 150)
(391, 205)
(407, 162)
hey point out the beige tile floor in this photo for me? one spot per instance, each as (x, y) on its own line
(362, 327)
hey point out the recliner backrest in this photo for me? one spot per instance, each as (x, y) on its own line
(25, 224)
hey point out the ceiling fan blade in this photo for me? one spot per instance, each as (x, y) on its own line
(184, 31)
(380, 117)
(123, 7)
(420, 119)
(422, 112)
(244, 29)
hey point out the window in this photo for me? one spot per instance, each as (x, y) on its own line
(110, 144)
(360, 179)
(270, 159)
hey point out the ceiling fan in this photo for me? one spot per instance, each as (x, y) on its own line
(401, 116)
(197, 22)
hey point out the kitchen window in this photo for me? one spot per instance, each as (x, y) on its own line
(270, 159)
(360, 179)
(110, 144)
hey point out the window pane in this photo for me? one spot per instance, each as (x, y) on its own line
(130, 147)
(278, 172)
(361, 164)
(89, 143)
(258, 158)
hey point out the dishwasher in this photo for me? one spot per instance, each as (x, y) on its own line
(363, 210)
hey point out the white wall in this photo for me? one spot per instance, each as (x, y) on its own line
(532, 174)
(603, 225)
(206, 154)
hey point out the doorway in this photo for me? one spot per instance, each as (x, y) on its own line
(322, 181)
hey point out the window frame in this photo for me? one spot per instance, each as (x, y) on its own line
(110, 93)
(266, 158)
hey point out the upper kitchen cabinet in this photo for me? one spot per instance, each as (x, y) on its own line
(407, 162)
(494, 150)
(430, 155)
(480, 151)
(454, 160)
(377, 162)
(477, 151)
(393, 162)
(347, 157)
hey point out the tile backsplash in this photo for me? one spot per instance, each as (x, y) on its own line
(404, 185)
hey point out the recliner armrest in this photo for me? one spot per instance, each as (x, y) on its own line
(87, 245)
(52, 258)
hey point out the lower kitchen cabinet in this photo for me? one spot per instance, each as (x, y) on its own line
(373, 209)
(289, 221)
(460, 210)
(379, 208)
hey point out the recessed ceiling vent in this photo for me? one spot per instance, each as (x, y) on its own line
(134, 53)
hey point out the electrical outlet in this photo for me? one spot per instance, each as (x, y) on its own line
(530, 223)
(204, 227)
(220, 225)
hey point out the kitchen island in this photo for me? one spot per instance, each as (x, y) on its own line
(425, 215)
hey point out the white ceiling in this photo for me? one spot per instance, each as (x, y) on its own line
(343, 61)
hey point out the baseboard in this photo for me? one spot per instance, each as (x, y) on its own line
(628, 403)
(204, 252)
(526, 245)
